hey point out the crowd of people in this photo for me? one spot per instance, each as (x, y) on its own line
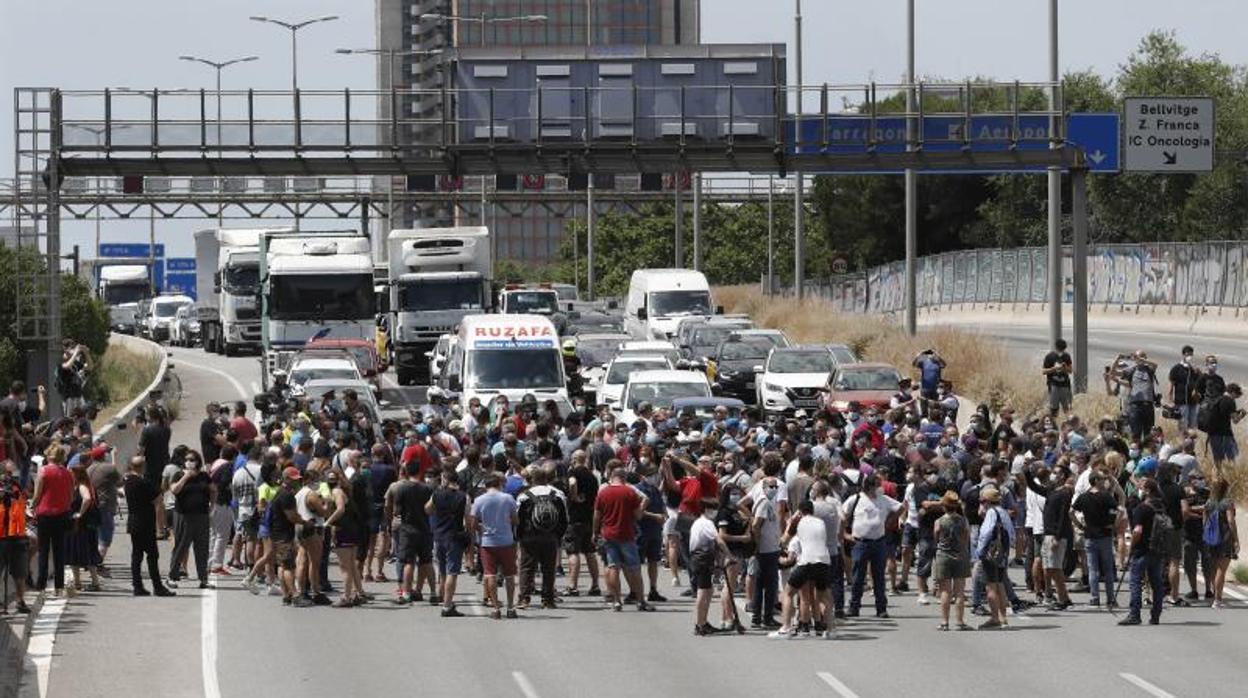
(799, 516)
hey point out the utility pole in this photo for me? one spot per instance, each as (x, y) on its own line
(771, 234)
(912, 194)
(589, 186)
(799, 244)
(680, 222)
(1055, 191)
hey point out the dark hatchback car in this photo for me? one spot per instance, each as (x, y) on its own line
(734, 364)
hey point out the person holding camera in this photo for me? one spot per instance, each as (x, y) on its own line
(1139, 379)
(1223, 414)
(1183, 392)
(71, 374)
(1056, 369)
(142, 499)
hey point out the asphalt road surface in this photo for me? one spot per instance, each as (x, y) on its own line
(227, 642)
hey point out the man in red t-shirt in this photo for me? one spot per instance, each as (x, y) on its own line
(242, 426)
(616, 511)
(416, 451)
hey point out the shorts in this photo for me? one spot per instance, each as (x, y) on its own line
(499, 558)
(309, 532)
(1223, 447)
(448, 555)
(1037, 545)
(621, 553)
(701, 568)
(578, 540)
(1174, 545)
(1060, 397)
(817, 573)
(669, 526)
(347, 537)
(993, 573)
(1053, 553)
(650, 548)
(909, 536)
(413, 546)
(924, 553)
(284, 554)
(250, 528)
(13, 557)
(108, 525)
(946, 567)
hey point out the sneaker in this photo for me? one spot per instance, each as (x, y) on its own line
(1178, 603)
(827, 635)
(631, 598)
(321, 600)
(705, 630)
(203, 584)
(571, 592)
(401, 600)
(287, 601)
(980, 611)
(171, 583)
(511, 613)
(496, 614)
(882, 614)
(1155, 620)
(655, 597)
(594, 591)
(643, 606)
(924, 599)
(1208, 595)
(1130, 620)
(687, 593)
(161, 591)
(417, 597)
(903, 587)
(756, 622)
(549, 605)
(1094, 603)
(275, 590)
(302, 602)
(1218, 605)
(1191, 596)
(991, 624)
(140, 591)
(617, 606)
(771, 623)
(451, 612)
(22, 609)
(839, 615)
(221, 571)
(781, 634)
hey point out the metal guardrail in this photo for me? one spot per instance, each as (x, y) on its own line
(1208, 274)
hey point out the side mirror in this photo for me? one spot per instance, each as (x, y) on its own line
(758, 369)
(384, 404)
(642, 314)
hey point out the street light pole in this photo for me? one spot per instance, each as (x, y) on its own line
(1055, 191)
(218, 66)
(912, 195)
(589, 186)
(294, 28)
(799, 248)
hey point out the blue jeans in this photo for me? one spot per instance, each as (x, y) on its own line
(1150, 565)
(1100, 552)
(838, 579)
(766, 585)
(873, 553)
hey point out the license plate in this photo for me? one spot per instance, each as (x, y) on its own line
(806, 403)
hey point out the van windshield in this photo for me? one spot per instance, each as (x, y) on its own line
(669, 303)
(514, 369)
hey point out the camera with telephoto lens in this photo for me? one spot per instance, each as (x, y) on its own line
(1170, 412)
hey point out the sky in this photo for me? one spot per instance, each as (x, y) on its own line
(91, 44)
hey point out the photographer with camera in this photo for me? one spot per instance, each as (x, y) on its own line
(1183, 392)
(1138, 376)
(1223, 414)
(72, 374)
(13, 543)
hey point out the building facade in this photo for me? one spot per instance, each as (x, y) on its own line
(528, 234)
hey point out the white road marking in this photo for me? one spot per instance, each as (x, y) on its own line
(38, 662)
(208, 642)
(1227, 589)
(242, 392)
(526, 686)
(836, 685)
(1146, 686)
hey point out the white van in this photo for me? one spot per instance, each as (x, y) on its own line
(510, 355)
(658, 299)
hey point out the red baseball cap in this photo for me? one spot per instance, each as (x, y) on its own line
(292, 473)
(99, 451)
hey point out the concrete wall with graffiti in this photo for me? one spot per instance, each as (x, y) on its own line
(1167, 274)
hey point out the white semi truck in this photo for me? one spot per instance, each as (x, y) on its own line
(122, 287)
(227, 281)
(314, 284)
(437, 276)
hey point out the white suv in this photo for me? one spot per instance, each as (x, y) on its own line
(618, 371)
(793, 379)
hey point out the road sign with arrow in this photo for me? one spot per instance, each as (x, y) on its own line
(1169, 134)
(1097, 135)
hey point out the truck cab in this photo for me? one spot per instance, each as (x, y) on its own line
(437, 277)
(122, 287)
(658, 299)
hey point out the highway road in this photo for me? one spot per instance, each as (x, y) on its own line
(226, 642)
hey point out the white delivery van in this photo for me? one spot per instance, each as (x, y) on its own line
(658, 299)
(509, 355)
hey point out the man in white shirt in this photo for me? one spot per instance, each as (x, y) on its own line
(704, 543)
(869, 514)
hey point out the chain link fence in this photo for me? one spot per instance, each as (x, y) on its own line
(1120, 275)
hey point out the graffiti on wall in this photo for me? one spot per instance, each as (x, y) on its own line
(1184, 274)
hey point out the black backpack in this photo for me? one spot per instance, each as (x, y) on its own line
(1162, 526)
(545, 515)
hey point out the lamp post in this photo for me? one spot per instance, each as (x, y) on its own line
(294, 28)
(218, 66)
(799, 247)
(483, 20)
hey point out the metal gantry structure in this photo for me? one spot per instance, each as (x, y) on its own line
(164, 137)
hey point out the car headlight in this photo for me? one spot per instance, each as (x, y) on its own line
(772, 387)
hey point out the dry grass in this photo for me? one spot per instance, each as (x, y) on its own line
(1240, 573)
(123, 373)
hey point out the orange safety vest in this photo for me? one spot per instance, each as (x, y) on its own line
(13, 514)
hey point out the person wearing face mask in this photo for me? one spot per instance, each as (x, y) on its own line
(871, 427)
(734, 531)
(1210, 385)
(1058, 529)
(869, 515)
(650, 526)
(705, 544)
(192, 500)
(765, 528)
(1183, 390)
